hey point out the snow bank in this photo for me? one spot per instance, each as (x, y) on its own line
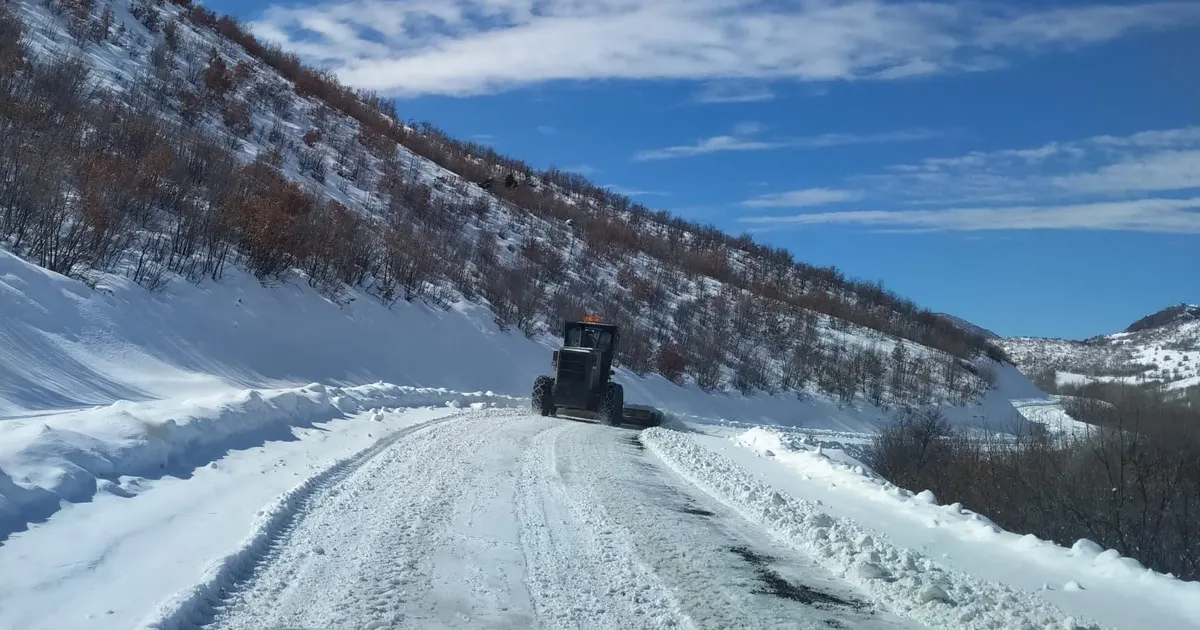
(72, 456)
(901, 580)
(978, 545)
(65, 346)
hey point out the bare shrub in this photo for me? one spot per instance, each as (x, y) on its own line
(236, 116)
(911, 450)
(312, 163)
(1132, 484)
(671, 362)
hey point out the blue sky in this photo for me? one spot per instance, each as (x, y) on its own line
(1033, 167)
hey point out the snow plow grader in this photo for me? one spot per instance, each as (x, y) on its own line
(582, 385)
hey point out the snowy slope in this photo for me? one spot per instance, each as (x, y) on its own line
(169, 443)
(112, 381)
(325, 153)
(118, 381)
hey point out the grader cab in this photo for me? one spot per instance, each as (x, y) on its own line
(582, 383)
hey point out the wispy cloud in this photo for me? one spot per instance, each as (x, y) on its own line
(1101, 166)
(802, 198)
(733, 92)
(463, 47)
(740, 140)
(1146, 181)
(1165, 170)
(715, 144)
(1142, 215)
(582, 169)
(635, 192)
(844, 139)
(545, 129)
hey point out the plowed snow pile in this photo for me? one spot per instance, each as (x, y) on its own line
(902, 579)
(821, 476)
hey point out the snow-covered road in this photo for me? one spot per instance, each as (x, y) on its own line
(495, 518)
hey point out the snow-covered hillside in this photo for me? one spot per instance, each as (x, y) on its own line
(261, 365)
(116, 380)
(296, 180)
(1161, 349)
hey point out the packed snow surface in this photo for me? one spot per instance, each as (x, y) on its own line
(496, 518)
(108, 562)
(449, 516)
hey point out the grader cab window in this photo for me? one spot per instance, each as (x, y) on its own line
(589, 337)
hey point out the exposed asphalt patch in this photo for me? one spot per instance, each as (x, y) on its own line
(688, 509)
(778, 586)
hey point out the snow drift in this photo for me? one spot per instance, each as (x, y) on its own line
(72, 456)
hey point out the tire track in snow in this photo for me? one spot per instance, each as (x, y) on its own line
(615, 540)
(416, 537)
(500, 519)
(196, 606)
(582, 572)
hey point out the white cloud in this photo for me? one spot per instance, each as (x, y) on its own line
(715, 144)
(1081, 25)
(1166, 170)
(737, 141)
(1142, 215)
(1146, 181)
(463, 47)
(747, 128)
(582, 169)
(843, 139)
(802, 198)
(1106, 166)
(733, 92)
(545, 129)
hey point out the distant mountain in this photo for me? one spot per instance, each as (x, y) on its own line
(1161, 349)
(968, 326)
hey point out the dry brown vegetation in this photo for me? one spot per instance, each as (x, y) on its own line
(149, 186)
(621, 231)
(1132, 485)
